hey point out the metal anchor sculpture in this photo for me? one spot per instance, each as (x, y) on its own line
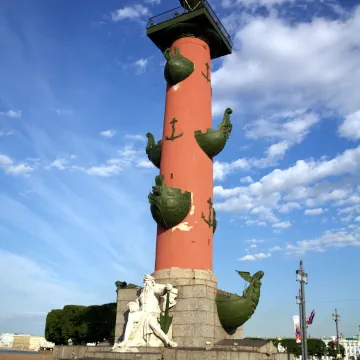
(211, 220)
(173, 136)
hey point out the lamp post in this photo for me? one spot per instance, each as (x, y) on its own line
(299, 302)
(302, 278)
(336, 318)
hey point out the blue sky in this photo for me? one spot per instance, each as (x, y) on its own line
(80, 86)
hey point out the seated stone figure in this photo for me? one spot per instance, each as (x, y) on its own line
(144, 316)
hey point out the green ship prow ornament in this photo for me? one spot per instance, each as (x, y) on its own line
(168, 205)
(235, 310)
(177, 68)
(213, 141)
(153, 150)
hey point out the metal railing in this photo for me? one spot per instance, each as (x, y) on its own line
(172, 14)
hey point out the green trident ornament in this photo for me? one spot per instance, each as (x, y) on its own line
(211, 221)
(173, 136)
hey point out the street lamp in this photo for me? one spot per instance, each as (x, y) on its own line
(336, 318)
(302, 278)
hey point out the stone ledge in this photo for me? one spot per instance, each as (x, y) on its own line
(177, 273)
(195, 353)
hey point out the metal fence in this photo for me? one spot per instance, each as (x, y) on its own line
(172, 14)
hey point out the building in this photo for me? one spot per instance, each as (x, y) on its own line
(350, 344)
(24, 342)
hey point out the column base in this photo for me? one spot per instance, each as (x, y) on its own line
(195, 318)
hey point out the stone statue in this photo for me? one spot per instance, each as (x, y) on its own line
(143, 324)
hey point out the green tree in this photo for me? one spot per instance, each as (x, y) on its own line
(291, 346)
(72, 326)
(316, 348)
(53, 331)
(333, 352)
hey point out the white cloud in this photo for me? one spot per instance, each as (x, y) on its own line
(136, 137)
(5, 160)
(255, 257)
(349, 209)
(282, 225)
(222, 169)
(255, 222)
(141, 66)
(357, 218)
(275, 248)
(330, 238)
(130, 13)
(19, 169)
(153, 2)
(288, 127)
(278, 149)
(350, 128)
(145, 164)
(15, 114)
(317, 211)
(286, 208)
(254, 241)
(305, 172)
(108, 133)
(264, 213)
(252, 3)
(59, 164)
(104, 170)
(281, 65)
(246, 180)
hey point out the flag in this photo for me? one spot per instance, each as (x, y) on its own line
(311, 318)
(296, 319)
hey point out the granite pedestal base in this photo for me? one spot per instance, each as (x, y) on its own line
(219, 352)
(195, 318)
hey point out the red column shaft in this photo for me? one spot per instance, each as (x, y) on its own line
(185, 165)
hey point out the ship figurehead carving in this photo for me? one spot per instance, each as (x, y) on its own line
(235, 310)
(212, 142)
(169, 206)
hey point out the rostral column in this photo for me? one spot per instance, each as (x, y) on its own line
(182, 198)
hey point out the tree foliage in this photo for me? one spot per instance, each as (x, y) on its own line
(333, 352)
(81, 324)
(53, 328)
(316, 347)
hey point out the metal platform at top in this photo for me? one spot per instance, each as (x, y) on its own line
(204, 17)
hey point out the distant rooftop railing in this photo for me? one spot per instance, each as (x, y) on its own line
(171, 14)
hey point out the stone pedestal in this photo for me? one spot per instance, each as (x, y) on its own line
(195, 317)
(124, 296)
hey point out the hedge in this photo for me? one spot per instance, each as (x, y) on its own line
(81, 324)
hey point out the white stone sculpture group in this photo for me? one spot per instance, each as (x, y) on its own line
(143, 324)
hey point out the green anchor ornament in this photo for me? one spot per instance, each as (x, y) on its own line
(211, 220)
(173, 136)
(207, 75)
